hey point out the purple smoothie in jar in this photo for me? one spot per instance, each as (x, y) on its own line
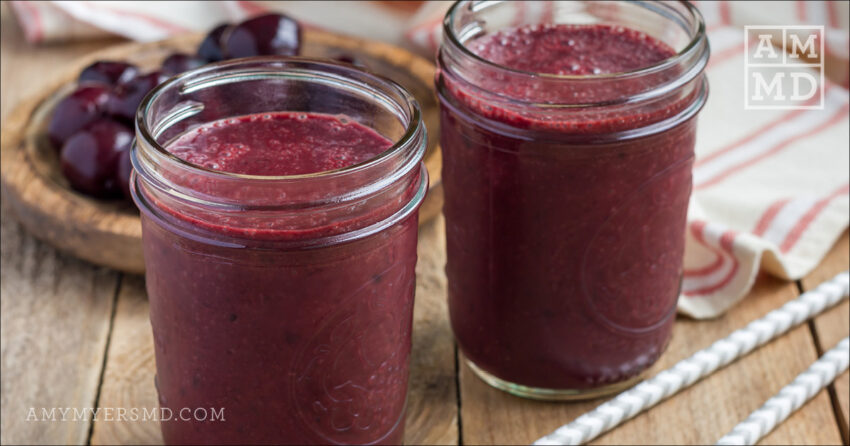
(280, 244)
(567, 151)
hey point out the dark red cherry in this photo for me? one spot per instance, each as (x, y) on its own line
(89, 158)
(180, 62)
(349, 59)
(109, 72)
(211, 49)
(77, 110)
(126, 98)
(122, 173)
(266, 35)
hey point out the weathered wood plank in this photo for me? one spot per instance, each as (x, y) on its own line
(55, 309)
(55, 322)
(431, 410)
(128, 379)
(698, 415)
(834, 325)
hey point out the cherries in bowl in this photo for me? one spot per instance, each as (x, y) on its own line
(89, 158)
(266, 35)
(83, 106)
(91, 127)
(126, 97)
(109, 72)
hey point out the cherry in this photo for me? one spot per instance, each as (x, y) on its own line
(75, 111)
(211, 48)
(122, 173)
(109, 72)
(126, 98)
(89, 158)
(349, 59)
(266, 35)
(180, 62)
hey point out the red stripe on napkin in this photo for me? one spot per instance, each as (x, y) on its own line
(809, 217)
(162, 24)
(750, 137)
(800, 7)
(724, 55)
(768, 216)
(697, 229)
(727, 241)
(252, 8)
(832, 14)
(30, 20)
(836, 118)
(725, 13)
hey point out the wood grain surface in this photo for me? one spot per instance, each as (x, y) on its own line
(75, 335)
(55, 313)
(128, 378)
(833, 326)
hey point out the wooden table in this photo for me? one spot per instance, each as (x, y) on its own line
(76, 335)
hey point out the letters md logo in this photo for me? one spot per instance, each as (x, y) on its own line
(785, 69)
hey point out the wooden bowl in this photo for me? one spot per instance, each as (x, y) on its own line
(109, 232)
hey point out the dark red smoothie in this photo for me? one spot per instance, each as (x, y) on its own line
(280, 144)
(565, 238)
(298, 345)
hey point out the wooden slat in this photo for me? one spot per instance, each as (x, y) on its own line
(431, 409)
(834, 325)
(128, 379)
(55, 323)
(698, 415)
(55, 310)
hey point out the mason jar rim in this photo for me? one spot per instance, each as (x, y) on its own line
(411, 129)
(693, 45)
(164, 186)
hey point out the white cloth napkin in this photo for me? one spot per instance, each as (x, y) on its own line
(54, 21)
(61, 21)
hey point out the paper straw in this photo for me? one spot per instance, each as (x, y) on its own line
(704, 362)
(804, 387)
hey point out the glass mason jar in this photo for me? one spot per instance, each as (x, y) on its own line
(285, 303)
(566, 198)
